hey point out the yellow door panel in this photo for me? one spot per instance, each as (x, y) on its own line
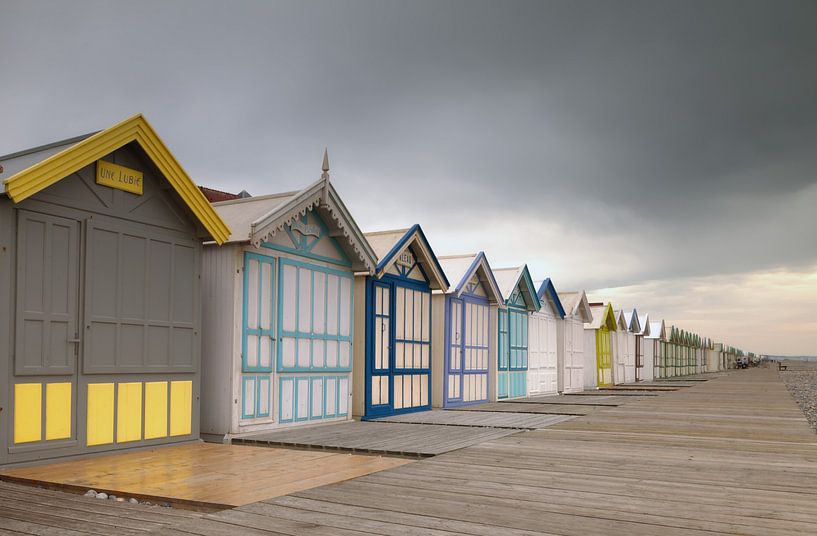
(28, 407)
(181, 407)
(100, 414)
(155, 410)
(129, 412)
(58, 411)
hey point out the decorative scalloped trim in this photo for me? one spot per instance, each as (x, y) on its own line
(310, 205)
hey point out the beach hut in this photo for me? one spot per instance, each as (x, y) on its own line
(624, 353)
(393, 343)
(598, 336)
(570, 335)
(657, 338)
(278, 313)
(643, 350)
(672, 352)
(521, 299)
(100, 253)
(681, 353)
(719, 355)
(712, 356)
(464, 332)
(543, 349)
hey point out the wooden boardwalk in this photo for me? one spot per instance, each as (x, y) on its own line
(733, 455)
(36, 511)
(480, 419)
(389, 438)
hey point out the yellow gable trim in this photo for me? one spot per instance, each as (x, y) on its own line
(29, 181)
(610, 318)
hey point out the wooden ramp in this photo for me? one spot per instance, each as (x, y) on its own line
(716, 469)
(384, 438)
(202, 476)
(37, 511)
(482, 419)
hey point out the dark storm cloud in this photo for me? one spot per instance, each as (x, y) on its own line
(683, 128)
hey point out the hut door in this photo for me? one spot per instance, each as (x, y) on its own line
(412, 348)
(380, 367)
(576, 354)
(468, 352)
(639, 358)
(47, 295)
(455, 364)
(503, 355)
(46, 332)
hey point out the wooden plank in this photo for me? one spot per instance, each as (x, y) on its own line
(519, 421)
(416, 440)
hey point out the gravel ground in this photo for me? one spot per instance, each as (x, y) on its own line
(801, 380)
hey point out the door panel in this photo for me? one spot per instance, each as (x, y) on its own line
(47, 282)
(455, 358)
(380, 366)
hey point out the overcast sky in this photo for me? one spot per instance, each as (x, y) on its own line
(659, 154)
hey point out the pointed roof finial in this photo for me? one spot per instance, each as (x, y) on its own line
(325, 174)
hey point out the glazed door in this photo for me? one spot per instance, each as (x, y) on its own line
(503, 355)
(412, 348)
(455, 353)
(518, 365)
(475, 352)
(604, 352)
(47, 335)
(258, 337)
(399, 368)
(379, 388)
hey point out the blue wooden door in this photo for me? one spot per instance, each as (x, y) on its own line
(379, 369)
(398, 368)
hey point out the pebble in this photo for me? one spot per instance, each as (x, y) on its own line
(102, 495)
(802, 384)
(133, 501)
(90, 493)
(112, 497)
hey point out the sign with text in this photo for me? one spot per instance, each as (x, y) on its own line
(118, 177)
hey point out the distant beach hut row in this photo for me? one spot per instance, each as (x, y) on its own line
(136, 311)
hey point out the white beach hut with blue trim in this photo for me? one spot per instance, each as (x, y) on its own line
(278, 312)
(464, 330)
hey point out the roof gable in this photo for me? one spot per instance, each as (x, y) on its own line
(576, 304)
(259, 219)
(632, 321)
(462, 269)
(644, 322)
(621, 320)
(39, 176)
(415, 240)
(547, 294)
(517, 288)
(603, 315)
(658, 330)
